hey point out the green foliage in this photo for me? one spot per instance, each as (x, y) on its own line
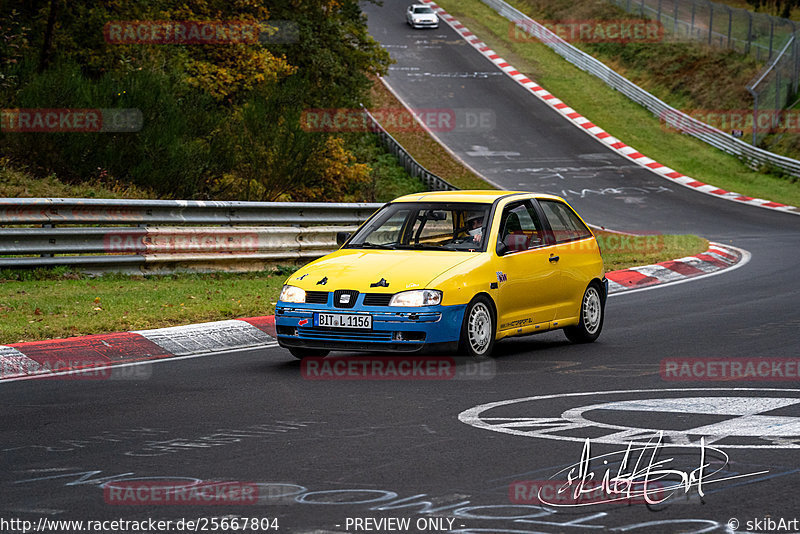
(334, 54)
(268, 152)
(169, 155)
(218, 119)
(782, 8)
(387, 179)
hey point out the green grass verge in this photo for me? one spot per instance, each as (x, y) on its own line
(621, 251)
(58, 303)
(43, 304)
(19, 183)
(613, 112)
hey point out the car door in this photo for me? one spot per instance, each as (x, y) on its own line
(577, 251)
(529, 283)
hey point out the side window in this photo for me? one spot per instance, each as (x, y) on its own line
(565, 223)
(520, 228)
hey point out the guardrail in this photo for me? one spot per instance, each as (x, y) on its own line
(285, 231)
(145, 247)
(28, 211)
(753, 156)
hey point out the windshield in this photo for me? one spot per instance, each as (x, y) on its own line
(427, 226)
(423, 10)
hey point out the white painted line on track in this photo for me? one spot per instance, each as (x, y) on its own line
(165, 359)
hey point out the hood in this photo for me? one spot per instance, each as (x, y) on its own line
(358, 269)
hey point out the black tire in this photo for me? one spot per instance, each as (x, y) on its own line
(301, 353)
(478, 329)
(593, 312)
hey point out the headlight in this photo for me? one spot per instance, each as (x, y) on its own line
(293, 294)
(416, 298)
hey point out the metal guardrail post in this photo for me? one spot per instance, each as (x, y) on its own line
(710, 21)
(675, 17)
(778, 105)
(755, 114)
(749, 33)
(771, 36)
(730, 25)
(795, 63)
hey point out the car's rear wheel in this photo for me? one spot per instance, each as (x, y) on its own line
(478, 329)
(301, 353)
(591, 317)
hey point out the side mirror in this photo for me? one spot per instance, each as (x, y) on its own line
(501, 248)
(341, 237)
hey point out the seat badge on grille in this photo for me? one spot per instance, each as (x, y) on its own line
(344, 298)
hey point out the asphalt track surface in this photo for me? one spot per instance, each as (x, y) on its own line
(325, 451)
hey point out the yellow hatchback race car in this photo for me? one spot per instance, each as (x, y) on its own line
(449, 270)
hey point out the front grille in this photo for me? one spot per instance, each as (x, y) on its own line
(317, 297)
(337, 298)
(377, 299)
(344, 335)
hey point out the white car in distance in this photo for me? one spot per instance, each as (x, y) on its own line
(421, 16)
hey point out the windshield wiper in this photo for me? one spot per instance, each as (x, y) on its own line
(420, 246)
(387, 246)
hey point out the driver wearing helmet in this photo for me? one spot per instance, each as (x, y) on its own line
(475, 228)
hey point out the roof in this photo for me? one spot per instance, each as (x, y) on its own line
(476, 195)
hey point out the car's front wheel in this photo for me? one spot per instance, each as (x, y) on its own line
(478, 329)
(301, 353)
(591, 317)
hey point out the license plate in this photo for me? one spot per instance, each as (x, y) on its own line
(341, 320)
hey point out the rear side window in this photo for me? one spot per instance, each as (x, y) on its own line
(566, 225)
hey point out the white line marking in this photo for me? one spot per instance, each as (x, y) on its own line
(164, 359)
(472, 416)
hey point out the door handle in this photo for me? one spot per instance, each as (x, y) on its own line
(553, 259)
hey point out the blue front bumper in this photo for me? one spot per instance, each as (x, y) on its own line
(394, 328)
